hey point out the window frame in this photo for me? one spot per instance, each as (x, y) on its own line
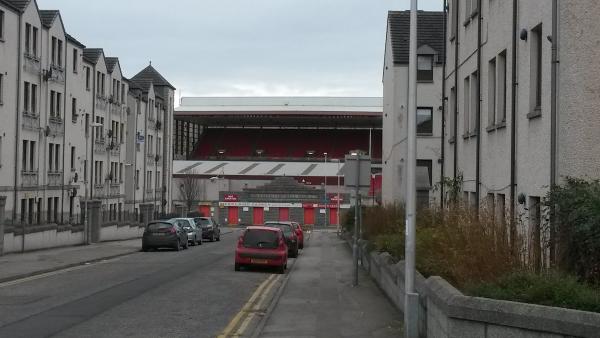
(425, 75)
(427, 133)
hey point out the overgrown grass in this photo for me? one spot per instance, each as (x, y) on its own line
(551, 289)
(474, 254)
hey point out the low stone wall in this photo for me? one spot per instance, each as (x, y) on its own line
(445, 312)
(53, 236)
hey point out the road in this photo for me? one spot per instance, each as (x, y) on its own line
(191, 293)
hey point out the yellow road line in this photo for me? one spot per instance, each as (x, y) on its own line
(51, 273)
(233, 323)
(256, 307)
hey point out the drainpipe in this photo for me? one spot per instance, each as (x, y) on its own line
(478, 155)
(444, 100)
(513, 127)
(64, 148)
(17, 126)
(93, 131)
(553, 121)
(456, 49)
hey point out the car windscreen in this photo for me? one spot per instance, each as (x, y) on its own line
(260, 239)
(159, 226)
(286, 228)
(202, 221)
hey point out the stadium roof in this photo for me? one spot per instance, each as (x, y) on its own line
(256, 168)
(282, 111)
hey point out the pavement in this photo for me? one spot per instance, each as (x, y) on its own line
(21, 265)
(319, 300)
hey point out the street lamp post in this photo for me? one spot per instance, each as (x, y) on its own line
(338, 194)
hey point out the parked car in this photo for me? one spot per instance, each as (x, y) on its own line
(261, 246)
(297, 229)
(290, 236)
(164, 233)
(210, 228)
(194, 233)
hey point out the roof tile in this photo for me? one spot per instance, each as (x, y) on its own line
(430, 31)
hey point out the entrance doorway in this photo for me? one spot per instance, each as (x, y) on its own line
(232, 216)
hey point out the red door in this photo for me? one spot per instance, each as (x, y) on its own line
(258, 216)
(232, 215)
(284, 214)
(205, 210)
(309, 216)
(333, 216)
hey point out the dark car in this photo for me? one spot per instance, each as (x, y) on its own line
(164, 234)
(210, 228)
(261, 246)
(291, 238)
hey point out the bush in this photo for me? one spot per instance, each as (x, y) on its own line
(575, 207)
(551, 289)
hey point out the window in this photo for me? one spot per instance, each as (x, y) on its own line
(425, 68)
(30, 209)
(26, 97)
(1, 88)
(501, 87)
(453, 18)
(55, 210)
(149, 180)
(123, 93)
(24, 158)
(102, 84)
(59, 57)
(50, 157)
(474, 102)
(466, 106)
(122, 140)
(536, 70)
(121, 172)
(72, 158)
(158, 180)
(71, 205)
(85, 169)
(33, 98)
(452, 113)
(471, 9)
(75, 61)
(87, 124)
(98, 83)
(34, 38)
(0, 151)
(74, 109)
(27, 39)
(2, 25)
(23, 209)
(424, 121)
(429, 165)
(87, 78)
(49, 210)
(492, 92)
(32, 156)
(53, 55)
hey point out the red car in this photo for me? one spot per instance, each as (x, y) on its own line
(261, 246)
(300, 234)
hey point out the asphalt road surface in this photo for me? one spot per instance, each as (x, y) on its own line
(191, 293)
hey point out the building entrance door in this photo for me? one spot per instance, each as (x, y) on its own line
(232, 216)
(309, 216)
(258, 216)
(333, 216)
(284, 214)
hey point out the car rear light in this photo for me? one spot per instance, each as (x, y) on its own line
(173, 230)
(240, 241)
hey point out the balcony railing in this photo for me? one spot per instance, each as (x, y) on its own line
(29, 178)
(31, 121)
(54, 178)
(32, 64)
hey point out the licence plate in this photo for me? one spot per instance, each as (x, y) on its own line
(159, 234)
(259, 261)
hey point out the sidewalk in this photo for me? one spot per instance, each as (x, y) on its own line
(319, 300)
(21, 265)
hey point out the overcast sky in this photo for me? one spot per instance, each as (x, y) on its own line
(243, 47)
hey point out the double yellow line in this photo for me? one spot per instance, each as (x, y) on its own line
(249, 310)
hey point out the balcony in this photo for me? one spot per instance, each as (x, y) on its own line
(29, 178)
(56, 125)
(31, 121)
(99, 146)
(54, 178)
(32, 64)
(101, 102)
(56, 74)
(115, 190)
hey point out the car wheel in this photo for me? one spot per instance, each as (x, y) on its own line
(302, 246)
(212, 237)
(237, 267)
(200, 241)
(178, 245)
(219, 238)
(281, 269)
(187, 245)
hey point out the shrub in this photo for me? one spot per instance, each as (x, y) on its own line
(575, 207)
(551, 289)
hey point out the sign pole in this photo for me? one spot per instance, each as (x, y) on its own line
(356, 211)
(411, 300)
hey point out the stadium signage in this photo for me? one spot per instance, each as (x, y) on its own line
(334, 198)
(230, 198)
(324, 206)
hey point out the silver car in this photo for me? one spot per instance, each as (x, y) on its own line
(194, 233)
